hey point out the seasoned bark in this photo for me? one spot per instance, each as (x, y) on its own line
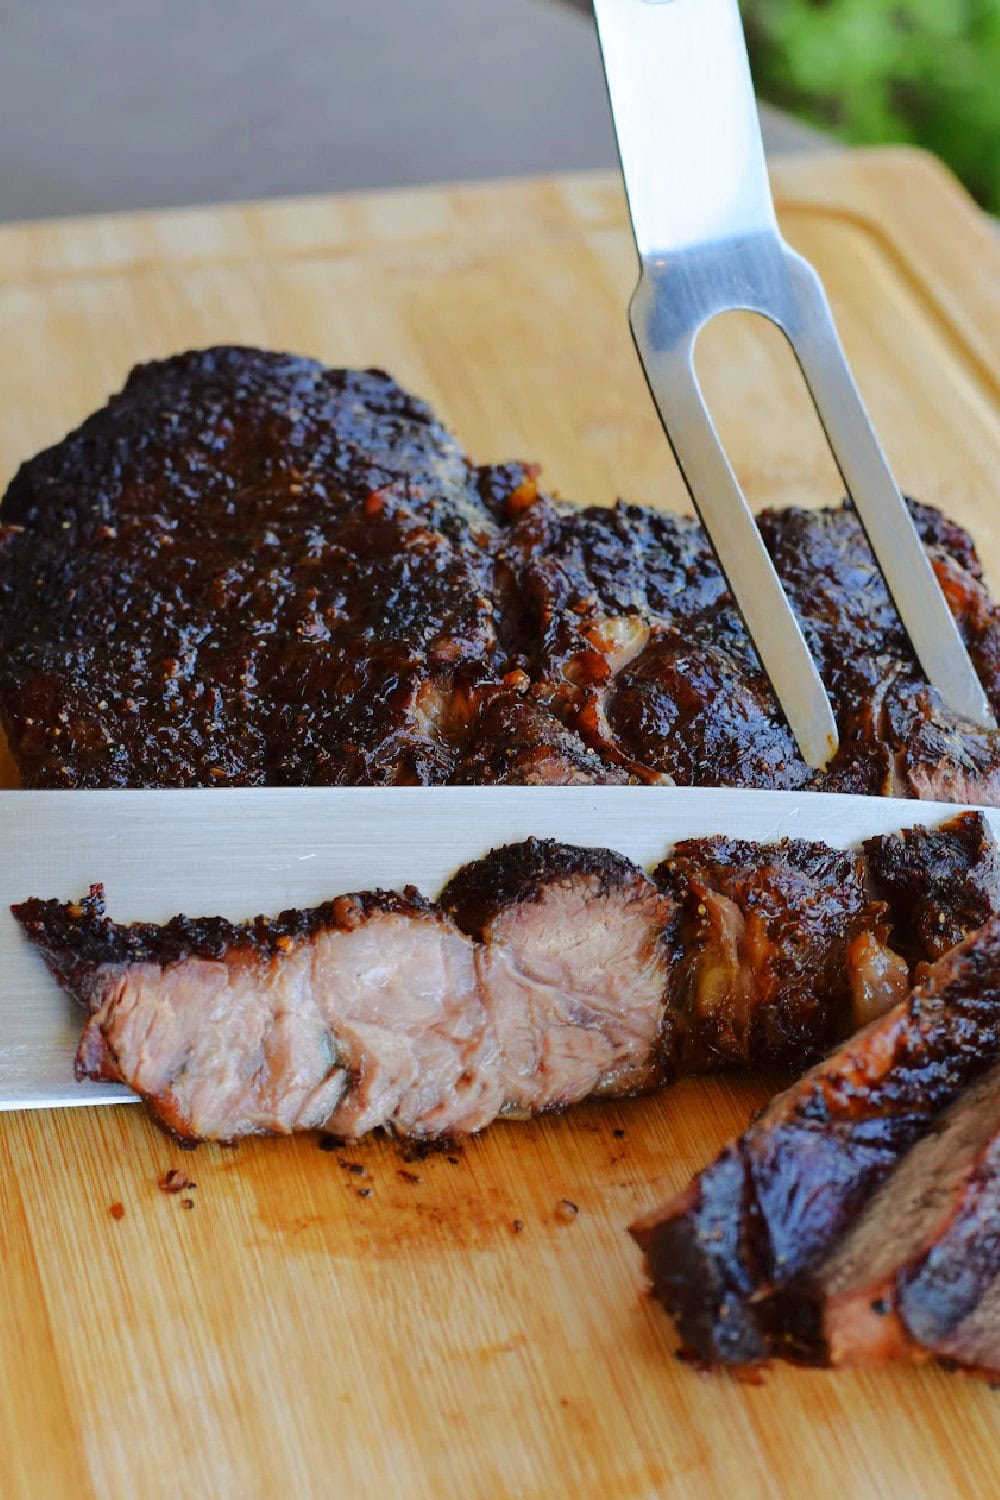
(482, 891)
(250, 569)
(631, 635)
(245, 569)
(77, 937)
(940, 884)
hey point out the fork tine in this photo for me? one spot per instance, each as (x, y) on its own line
(865, 471)
(727, 518)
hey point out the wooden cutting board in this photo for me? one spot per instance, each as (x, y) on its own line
(292, 1334)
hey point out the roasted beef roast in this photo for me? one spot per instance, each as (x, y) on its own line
(249, 569)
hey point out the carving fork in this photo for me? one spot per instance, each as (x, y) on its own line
(708, 242)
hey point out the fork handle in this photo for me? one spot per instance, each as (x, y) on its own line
(686, 120)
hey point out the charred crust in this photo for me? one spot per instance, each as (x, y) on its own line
(249, 569)
(523, 872)
(939, 884)
(76, 938)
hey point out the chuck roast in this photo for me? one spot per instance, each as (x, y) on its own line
(249, 569)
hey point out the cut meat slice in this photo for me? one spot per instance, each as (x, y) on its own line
(911, 1278)
(574, 954)
(376, 1010)
(737, 1257)
(940, 884)
(778, 956)
(363, 1012)
(548, 973)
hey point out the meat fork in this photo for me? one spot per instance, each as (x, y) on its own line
(708, 242)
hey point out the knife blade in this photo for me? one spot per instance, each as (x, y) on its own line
(236, 853)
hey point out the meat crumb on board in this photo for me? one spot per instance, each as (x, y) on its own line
(174, 1181)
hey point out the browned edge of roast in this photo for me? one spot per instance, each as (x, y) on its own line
(940, 884)
(77, 937)
(478, 892)
(912, 1276)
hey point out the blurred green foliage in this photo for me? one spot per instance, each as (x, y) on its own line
(925, 71)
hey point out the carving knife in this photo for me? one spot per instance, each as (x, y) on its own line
(237, 853)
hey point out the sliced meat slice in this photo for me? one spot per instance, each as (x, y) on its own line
(574, 962)
(726, 1255)
(363, 1012)
(940, 884)
(780, 951)
(377, 1010)
(553, 973)
(910, 1278)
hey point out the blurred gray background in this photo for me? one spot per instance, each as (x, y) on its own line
(116, 104)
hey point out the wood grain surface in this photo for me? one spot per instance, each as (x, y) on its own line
(290, 1334)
